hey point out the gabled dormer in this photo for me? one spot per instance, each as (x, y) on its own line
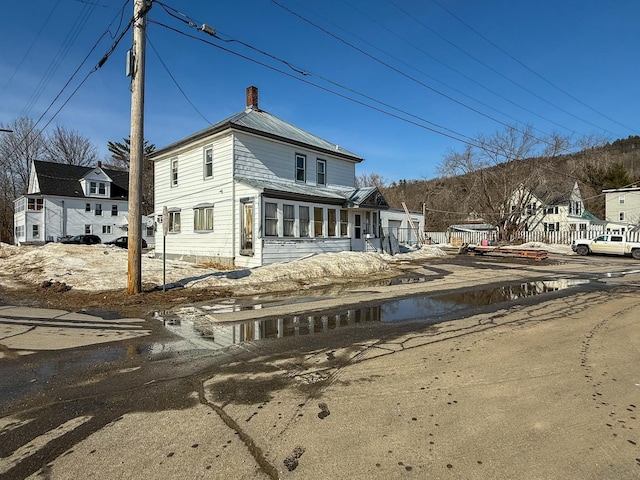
(96, 183)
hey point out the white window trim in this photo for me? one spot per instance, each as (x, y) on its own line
(324, 173)
(173, 178)
(304, 167)
(205, 163)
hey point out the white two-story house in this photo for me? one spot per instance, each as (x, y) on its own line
(64, 200)
(558, 208)
(622, 207)
(253, 190)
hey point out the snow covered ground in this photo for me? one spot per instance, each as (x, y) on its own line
(103, 267)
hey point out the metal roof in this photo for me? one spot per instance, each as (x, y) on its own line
(298, 189)
(259, 122)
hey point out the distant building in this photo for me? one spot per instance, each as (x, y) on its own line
(66, 200)
(622, 209)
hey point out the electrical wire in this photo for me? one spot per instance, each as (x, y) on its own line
(175, 81)
(530, 69)
(490, 68)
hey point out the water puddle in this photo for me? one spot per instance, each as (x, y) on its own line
(198, 331)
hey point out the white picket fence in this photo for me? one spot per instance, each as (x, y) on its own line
(563, 238)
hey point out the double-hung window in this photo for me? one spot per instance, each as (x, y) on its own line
(621, 217)
(303, 214)
(318, 222)
(321, 172)
(174, 172)
(87, 207)
(301, 168)
(288, 220)
(208, 162)
(271, 219)
(114, 210)
(98, 209)
(174, 221)
(93, 188)
(102, 188)
(203, 218)
(344, 223)
(35, 231)
(331, 222)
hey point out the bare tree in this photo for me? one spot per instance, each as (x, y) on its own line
(18, 148)
(370, 180)
(70, 147)
(498, 174)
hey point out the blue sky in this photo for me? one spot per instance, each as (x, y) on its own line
(460, 67)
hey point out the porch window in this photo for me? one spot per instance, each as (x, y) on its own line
(35, 204)
(271, 219)
(318, 221)
(35, 231)
(344, 223)
(174, 222)
(374, 223)
(304, 221)
(288, 220)
(208, 162)
(174, 172)
(301, 168)
(331, 222)
(321, 172)
(203, 218)
(98, 209)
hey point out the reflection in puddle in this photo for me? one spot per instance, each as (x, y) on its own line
(201, 332)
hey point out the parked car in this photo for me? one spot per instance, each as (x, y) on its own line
(82, 240)
(123, 242)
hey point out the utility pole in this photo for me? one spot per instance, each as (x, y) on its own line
(136, 158)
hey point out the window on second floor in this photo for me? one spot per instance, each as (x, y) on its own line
(114, 210)
(174, 172)
(98, 209)
(208, 162)
(35, 204)
(301, 168)
(87, 207)
(321, 172)
(621, 216)
(621, 199)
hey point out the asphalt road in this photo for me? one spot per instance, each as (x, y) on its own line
(544, 386)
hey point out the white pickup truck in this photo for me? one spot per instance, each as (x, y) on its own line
(607, 245)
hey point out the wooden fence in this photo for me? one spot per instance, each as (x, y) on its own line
(564, 238)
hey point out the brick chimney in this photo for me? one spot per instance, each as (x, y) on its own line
(252, 97)
(99, 164)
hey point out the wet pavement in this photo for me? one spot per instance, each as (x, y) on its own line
(201, 359)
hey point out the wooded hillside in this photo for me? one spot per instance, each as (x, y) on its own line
(452, 199)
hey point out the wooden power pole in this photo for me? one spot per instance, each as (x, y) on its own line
(136, 158)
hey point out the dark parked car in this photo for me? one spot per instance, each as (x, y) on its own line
(82, 240)
(123, 242)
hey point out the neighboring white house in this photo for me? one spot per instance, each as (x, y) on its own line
(555, 209)
(253, 190)
(66, 200)
(622, 209)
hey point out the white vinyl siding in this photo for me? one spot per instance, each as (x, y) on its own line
(271, 160)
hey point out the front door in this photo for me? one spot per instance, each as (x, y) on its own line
(357, 237)
(246, 236)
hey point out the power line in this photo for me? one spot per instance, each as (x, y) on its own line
(530, 69)
(496, 71)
